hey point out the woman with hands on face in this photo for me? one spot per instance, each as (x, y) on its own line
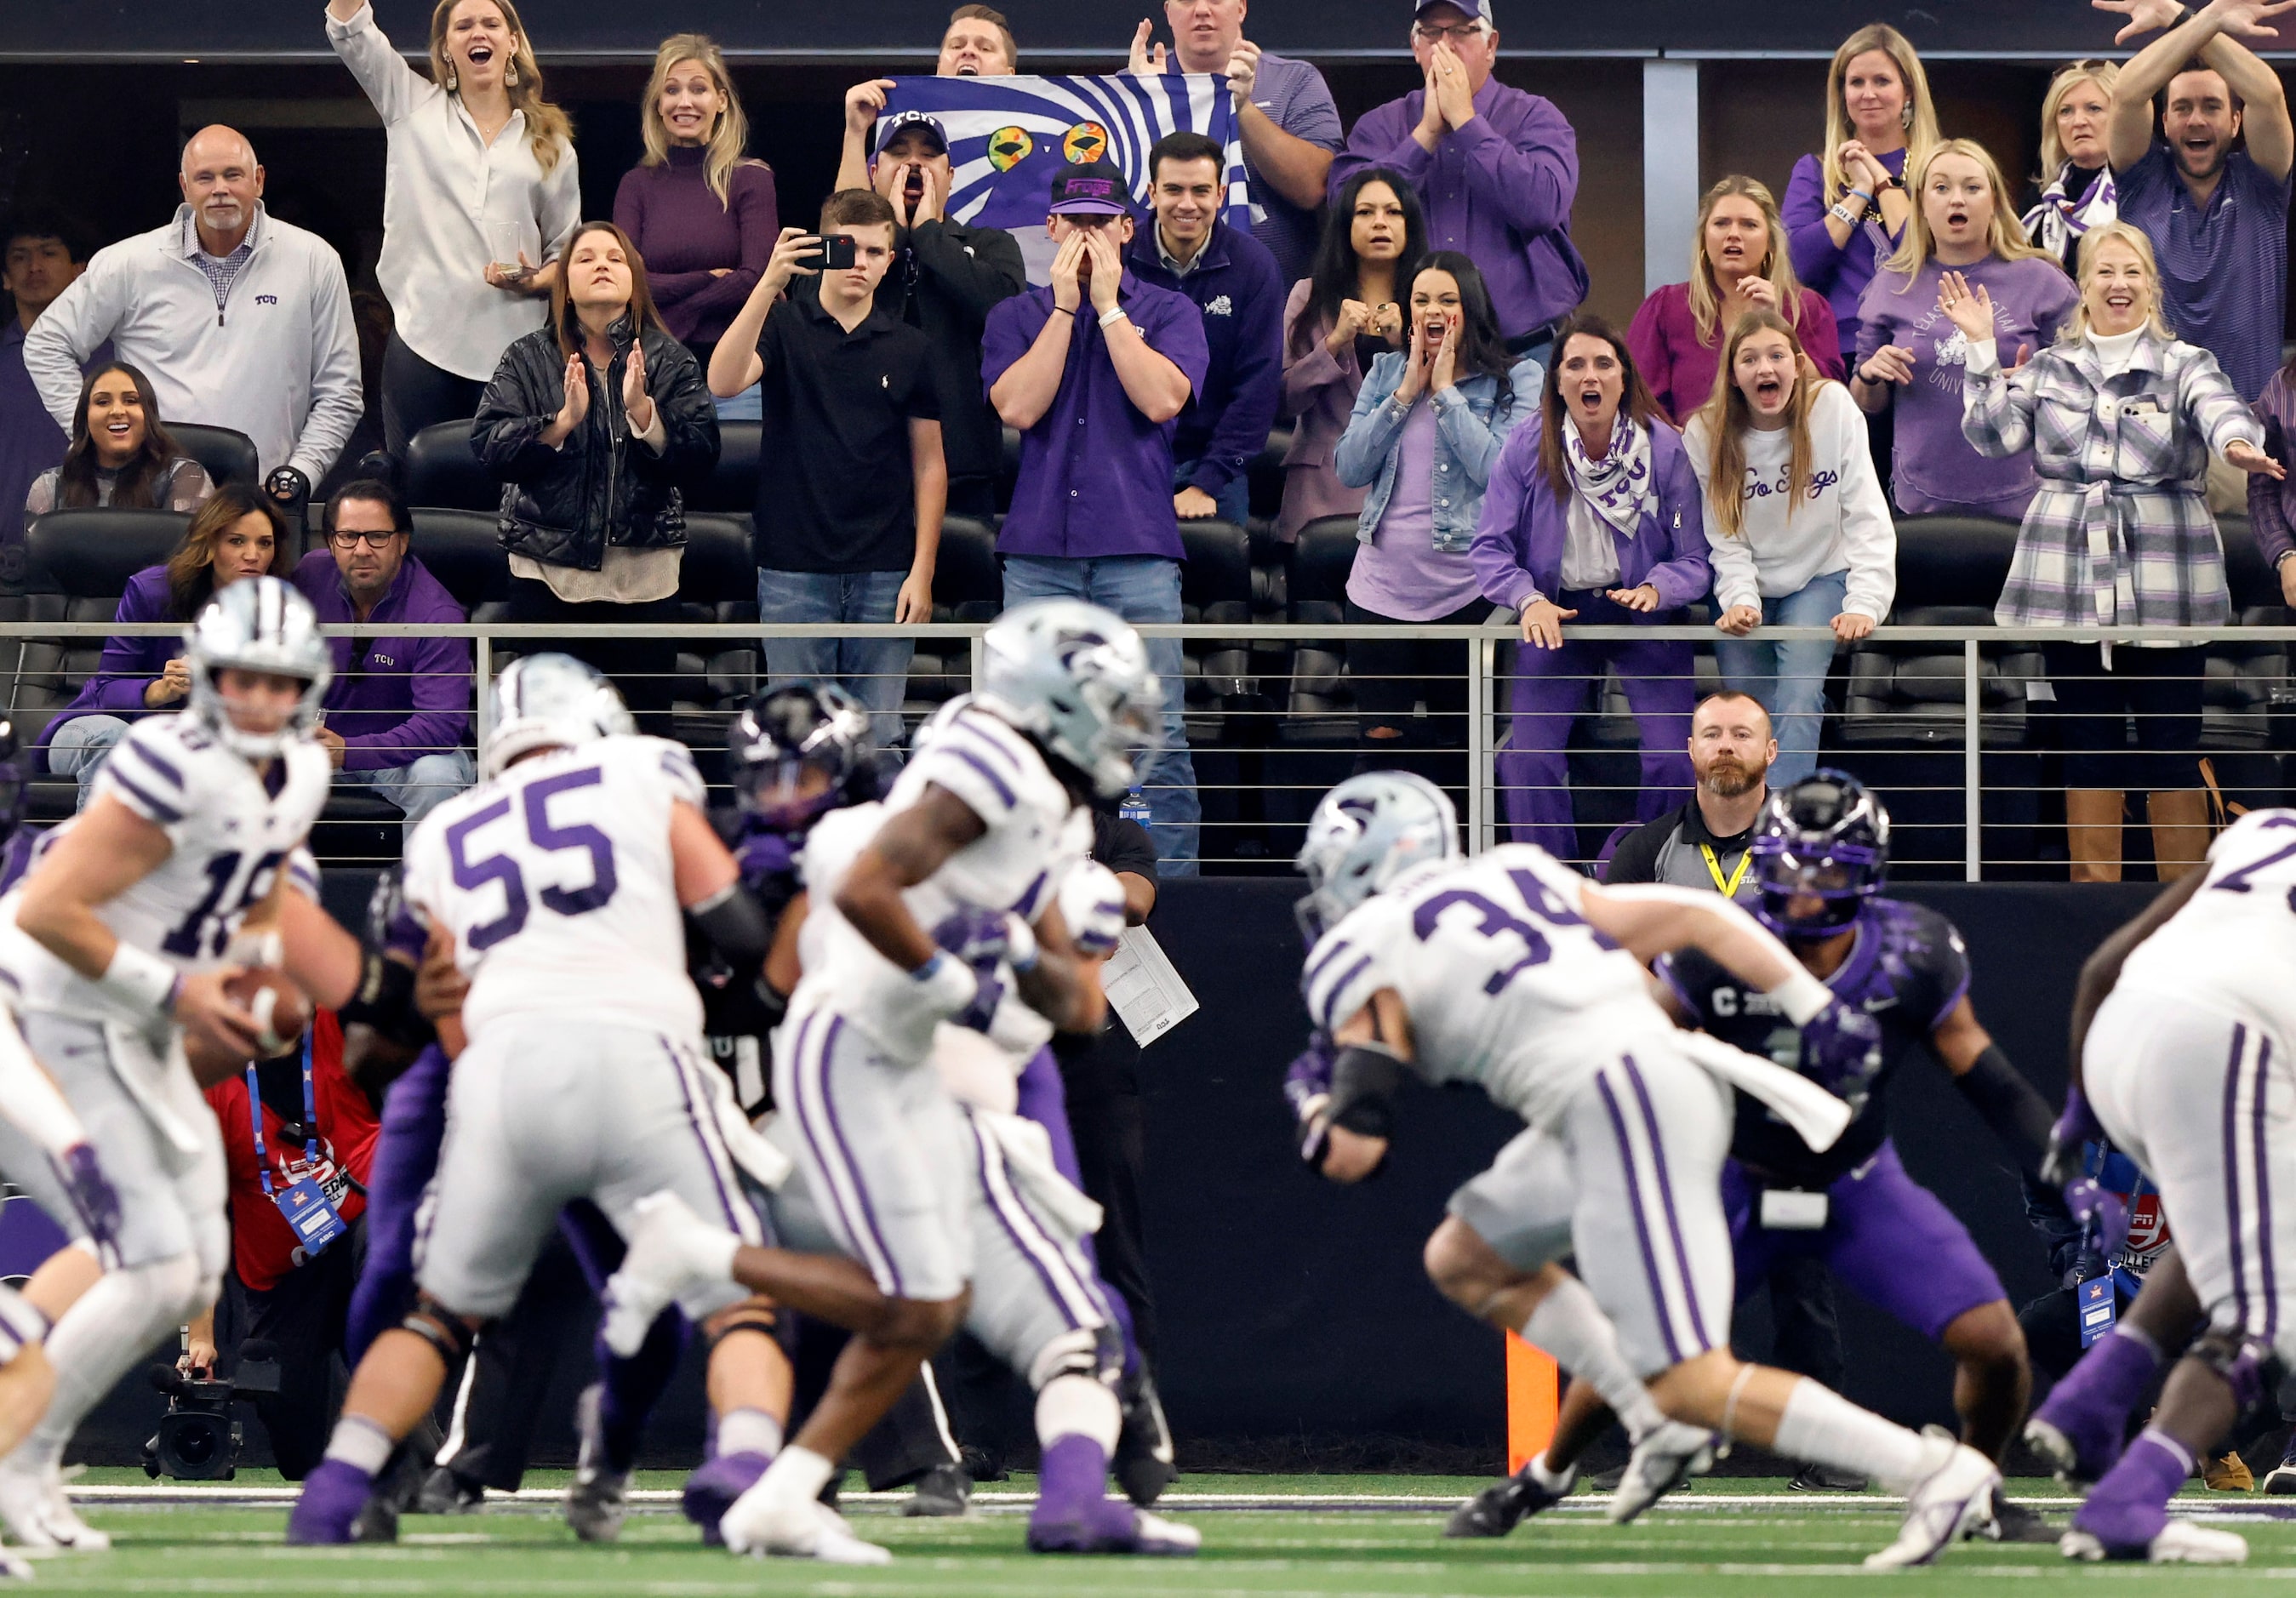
(1912, 351)
(590, 424)
(1798, 528)
(1339, 320)
(1429, 421)
(2120, 417)
(1594, 514)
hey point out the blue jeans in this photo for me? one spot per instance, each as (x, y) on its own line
(1235, 501)
(747, 405)
(1138, 588)
(1789, 678)
(80, 747)
(874, 670)
(421, 785)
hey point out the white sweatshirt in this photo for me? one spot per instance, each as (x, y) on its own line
(279, 361)
(1842, 523)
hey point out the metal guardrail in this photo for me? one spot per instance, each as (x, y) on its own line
(1485, 675)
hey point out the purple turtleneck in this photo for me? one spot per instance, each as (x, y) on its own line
(683, 231)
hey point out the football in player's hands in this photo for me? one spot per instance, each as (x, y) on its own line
(281, 1015)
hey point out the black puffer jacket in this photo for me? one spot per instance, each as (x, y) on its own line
(565, 506)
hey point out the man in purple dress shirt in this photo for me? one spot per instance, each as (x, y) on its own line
(1095, 391)
(1496, 168)
(399, 710)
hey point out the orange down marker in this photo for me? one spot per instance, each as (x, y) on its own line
(1534, 1395)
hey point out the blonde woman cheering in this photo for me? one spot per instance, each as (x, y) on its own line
(1797, 527)
(2121, 417)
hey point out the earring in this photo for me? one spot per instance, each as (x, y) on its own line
(510, 79)
(1906, 118)
(452, 82)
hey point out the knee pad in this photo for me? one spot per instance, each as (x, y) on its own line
(1097, 1354)
(752, 1315)
(2248, 1364)
(444, 1331)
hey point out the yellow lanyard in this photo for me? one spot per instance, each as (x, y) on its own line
(1727, 885)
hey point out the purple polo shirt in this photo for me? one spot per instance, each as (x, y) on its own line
(2223, 265)
(1498, 190)
(393, 699)
(1095, 473)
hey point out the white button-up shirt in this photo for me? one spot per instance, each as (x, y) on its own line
(447, 193)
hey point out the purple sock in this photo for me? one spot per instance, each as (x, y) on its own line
(711, 1491)
(1074, 1513)
(332, 1496)
(2092, 1405)
(2127, 1510)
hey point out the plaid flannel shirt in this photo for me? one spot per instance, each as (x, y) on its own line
(2119, 533)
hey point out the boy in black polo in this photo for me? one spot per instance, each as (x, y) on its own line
(851, 484)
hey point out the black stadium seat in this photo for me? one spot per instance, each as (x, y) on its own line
(228, 454)
(80, 561)
(967, 580)
(441, 471)
(731, 487)
(1215, 586)
(463, 551)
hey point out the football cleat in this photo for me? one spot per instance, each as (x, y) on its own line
(1502, 1506)
(1952, 1501)
(1668, 1455)
(596, 1498)
(2180, 1543)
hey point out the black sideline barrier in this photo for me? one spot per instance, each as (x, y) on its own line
(1298, 1322)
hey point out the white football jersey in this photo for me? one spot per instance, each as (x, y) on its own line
(232, 830)
(2234, 941)
(555, 880)
(1507, 984)
(1034, 833)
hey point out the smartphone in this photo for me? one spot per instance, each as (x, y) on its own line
(837, 252)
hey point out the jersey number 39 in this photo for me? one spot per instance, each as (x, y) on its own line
(471, 875)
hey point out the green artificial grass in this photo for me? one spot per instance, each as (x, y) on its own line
(1794, 1549)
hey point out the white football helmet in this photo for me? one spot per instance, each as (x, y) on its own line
(548, 702)
(1364, 835)
(258, 624)
(1075, 678)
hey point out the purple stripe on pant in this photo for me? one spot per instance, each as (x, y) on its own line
(2264, 1191)
(1044, 1100)
(405, 1156)
(1552, 689)
(1642, 1225)
(2233, 1216)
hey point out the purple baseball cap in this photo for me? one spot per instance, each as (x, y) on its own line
(901, 121)
(1479, 9)
(1091, 188)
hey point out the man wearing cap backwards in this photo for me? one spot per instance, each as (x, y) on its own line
(945, 279)
(1093, 369)
(1496, 168)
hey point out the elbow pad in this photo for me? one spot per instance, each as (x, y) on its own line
(2009, 1104)
(384, 1000)
(1364, 1080)
(736, 926)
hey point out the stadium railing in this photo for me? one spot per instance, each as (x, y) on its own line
(1937, 718)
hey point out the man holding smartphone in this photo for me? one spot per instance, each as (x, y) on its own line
(851, 481)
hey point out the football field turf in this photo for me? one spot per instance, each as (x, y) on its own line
(1280, 1537)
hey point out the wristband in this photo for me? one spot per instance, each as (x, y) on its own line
(1065, 311)
(141, 980)
(1843, 213)
(947, 985)
(1801, 996)
(1861, 194)
(1112, 315)
(1021, 950)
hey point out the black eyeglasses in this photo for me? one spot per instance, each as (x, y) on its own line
(347, 538)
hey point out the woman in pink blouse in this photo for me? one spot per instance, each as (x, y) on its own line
(1738, 263)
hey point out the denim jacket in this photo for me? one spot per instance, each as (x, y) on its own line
(1467, 441)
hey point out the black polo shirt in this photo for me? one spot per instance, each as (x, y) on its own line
(834, 491)
(1680, 848)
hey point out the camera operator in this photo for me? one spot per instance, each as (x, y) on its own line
(291, 1285)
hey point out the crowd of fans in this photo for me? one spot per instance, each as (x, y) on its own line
(1898, 338)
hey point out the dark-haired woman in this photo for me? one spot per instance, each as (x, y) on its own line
(238, 533)
(120, 454)
(1343, 316)
(1594, 514)
(1426, 428)
(589, 425)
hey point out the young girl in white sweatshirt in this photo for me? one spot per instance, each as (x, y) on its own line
(1796, 524)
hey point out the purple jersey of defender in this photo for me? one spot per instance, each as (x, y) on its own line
(16, 858)
(1907, 970)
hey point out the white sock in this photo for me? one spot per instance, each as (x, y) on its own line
(98, 1340)
(1570, 1326)
(796, 1475)
(1554, 1481)
(359, 1441)
(749, 1431)
(1821, 1427)
(1079, 1407)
